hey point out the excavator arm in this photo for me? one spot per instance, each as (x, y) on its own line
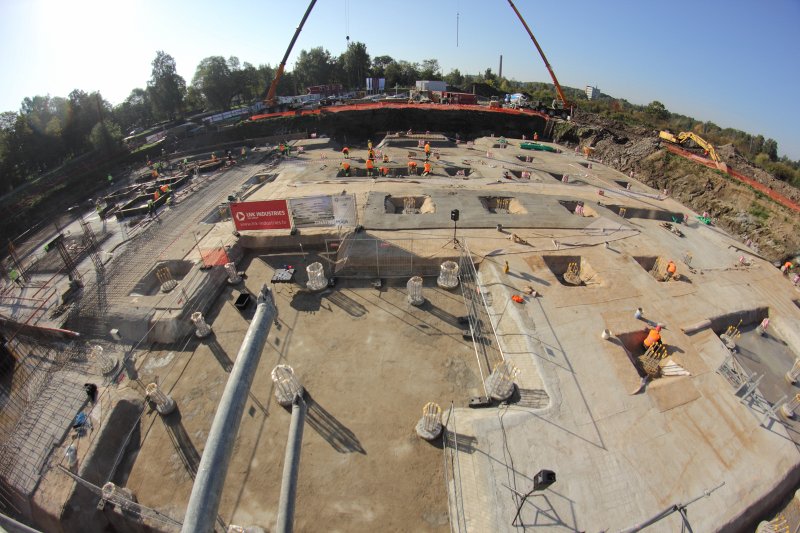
(560, 92)
(273, 87)
(699, 141)
(684, 136)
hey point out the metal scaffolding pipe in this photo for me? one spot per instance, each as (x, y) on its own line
(201, 513)
(291, 464)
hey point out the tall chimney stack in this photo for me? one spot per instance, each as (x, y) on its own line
(500, 70)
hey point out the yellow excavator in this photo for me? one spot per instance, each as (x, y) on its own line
(684, 136)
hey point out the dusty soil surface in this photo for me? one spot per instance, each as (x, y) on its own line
(369, 361)
(773, 229)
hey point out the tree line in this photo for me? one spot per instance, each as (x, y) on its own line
(49, 130)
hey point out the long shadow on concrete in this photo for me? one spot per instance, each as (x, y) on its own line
(182, 442)
(219, 353)
(560, 347)
(346, 304)
(339, 436)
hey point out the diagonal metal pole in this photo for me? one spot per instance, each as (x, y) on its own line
(209, 482)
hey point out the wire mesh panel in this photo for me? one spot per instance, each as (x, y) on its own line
(478, 299)
(361, 256)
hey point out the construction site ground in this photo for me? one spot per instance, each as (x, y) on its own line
(623, 450)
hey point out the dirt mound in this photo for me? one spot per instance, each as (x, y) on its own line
(772, 230)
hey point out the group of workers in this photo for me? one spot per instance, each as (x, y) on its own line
(383, 170)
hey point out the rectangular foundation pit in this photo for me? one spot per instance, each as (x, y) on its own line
(571, 270)
(571, 206)
(502, 205)
(648, 214)
(409, 205)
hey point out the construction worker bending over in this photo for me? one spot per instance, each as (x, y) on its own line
(672, 270)
(412, 168)
(346, 152)
(346, 169)
(786, 268)
(370, 167)
(384, 170)
(426, 168)
(385, 157)
(653, 338)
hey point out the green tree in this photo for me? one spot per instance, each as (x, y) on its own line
(355, 64)
(136, 111)
(106, 137)
(431, 70)
(379, 64)
(393, 73)
(214, 80)
(771, 149)
(167, 88)
(454, 78)
(657, 110)
(313, 67)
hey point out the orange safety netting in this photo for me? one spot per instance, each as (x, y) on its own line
(214, 256)
(778, 197)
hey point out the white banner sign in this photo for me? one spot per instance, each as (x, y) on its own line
(323, 211)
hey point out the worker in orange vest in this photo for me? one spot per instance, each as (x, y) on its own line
(156, 195)
(672, 269)
(384, 170)
(427, 150)
(164, 188)
(370, 167)
(346, 152)
(786, 268)
(426, 168)
(346, 168)
(371, 154)
(653, 337)
(412, 168)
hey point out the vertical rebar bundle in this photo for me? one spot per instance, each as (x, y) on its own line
(164, 403)
(448, 275)
(794, 372)
(430, 425)
(573, 274)
(409, 205)
(789, 407)
(500, 383)
(287, 386)
(233, 275)
(118, 495)
(316, 277)
(106, 363)
(414, 287)
(165, 279)
(203, 329)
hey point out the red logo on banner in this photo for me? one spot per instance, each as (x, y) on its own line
(270, 214)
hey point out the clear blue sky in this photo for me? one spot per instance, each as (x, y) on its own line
(732, 62)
